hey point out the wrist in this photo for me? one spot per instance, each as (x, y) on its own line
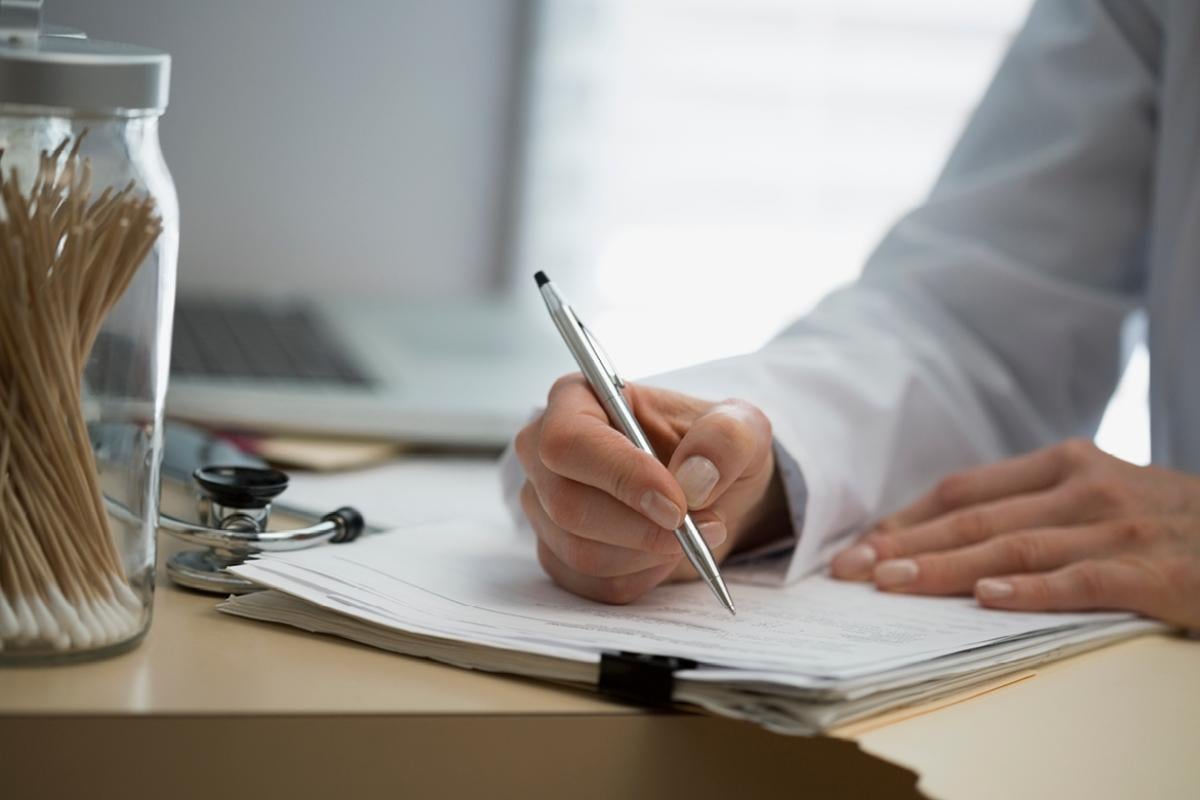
(768, 521)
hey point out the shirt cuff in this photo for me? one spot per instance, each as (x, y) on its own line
(769, 563)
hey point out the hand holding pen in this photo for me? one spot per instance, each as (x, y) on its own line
(605, 512)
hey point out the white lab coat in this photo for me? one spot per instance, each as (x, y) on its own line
(995, 318)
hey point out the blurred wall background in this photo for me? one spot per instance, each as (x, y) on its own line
(423, 148)
(319, 146)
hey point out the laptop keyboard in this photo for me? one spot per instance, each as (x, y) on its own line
(262, 342)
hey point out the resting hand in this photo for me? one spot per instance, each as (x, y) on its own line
(604, 511)
(1064, 528)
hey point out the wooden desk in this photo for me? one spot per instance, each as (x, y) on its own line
(211, 705)
(1121, 722)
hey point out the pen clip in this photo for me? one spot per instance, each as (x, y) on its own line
(601, 355)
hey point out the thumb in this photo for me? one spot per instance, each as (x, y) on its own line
(729, 440)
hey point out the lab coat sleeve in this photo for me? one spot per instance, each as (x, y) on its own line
(989, 320)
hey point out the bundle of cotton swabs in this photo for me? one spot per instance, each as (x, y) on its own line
(65, 260)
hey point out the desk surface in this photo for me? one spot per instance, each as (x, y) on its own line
(196, 660)
(1118, 722)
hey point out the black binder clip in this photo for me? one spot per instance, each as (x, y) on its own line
(645, 680)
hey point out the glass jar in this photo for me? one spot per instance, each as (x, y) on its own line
(86, 303)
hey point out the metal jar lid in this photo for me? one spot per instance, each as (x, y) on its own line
(50, 67)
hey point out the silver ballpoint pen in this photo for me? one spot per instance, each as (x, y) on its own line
(607, 385)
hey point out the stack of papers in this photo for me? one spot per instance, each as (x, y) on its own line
(796, 660)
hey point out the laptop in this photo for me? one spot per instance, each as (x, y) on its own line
(420, 149)
(458, 374)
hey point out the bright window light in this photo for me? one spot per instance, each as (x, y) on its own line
(699, 173)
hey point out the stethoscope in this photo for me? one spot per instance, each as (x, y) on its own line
(234, 508)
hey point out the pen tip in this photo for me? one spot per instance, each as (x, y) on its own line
(541, 278)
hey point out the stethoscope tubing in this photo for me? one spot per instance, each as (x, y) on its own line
(243, 542)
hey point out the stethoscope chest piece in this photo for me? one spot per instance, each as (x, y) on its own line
(204, 570)
(234, 508)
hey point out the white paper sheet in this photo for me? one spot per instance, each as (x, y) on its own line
(410, 491)
(479, 582)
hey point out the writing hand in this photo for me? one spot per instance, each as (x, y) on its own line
(604, 511)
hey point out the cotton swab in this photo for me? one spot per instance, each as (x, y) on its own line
(66, 258)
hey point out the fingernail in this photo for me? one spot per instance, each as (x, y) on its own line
(697, 476)
(993, 589)
(858, 560)
(713, 532)
(899, 572)
(661, 511)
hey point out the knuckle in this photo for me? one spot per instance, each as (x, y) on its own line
(556, 445)
(1077, 452)
(581, 556)
(566, 509)
(1136, 533)
(728, 431)
(1035, 591)
(1024, 553)
(1172, 572)
(971, 526)
(1107, 494)
(952, 491)
(938, 574)
(565, 382)
(523, 444)
(751, 416)
(528, 498)
(886, 525)
(618, 591)
(1090, 584)
(885, 546)
(625, 478)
